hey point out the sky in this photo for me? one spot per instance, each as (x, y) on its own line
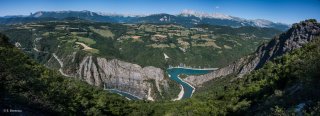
(284, 11)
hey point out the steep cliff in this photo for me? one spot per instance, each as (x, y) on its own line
(298, 35)
(112, 74)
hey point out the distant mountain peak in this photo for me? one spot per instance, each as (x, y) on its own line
(38, 14)
(262, 22)
(189, 12)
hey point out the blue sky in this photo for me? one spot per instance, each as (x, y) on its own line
(285, 11)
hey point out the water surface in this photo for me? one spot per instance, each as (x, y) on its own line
(188, 89)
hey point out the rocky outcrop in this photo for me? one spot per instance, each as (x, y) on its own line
(115, 74)
(124, 76)
(300, 34)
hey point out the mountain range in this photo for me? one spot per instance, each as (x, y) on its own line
(186, 18)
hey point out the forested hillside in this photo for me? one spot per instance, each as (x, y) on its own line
(287, 85)
(143, 44)
(34, 90)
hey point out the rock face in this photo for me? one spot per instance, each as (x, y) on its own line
(300, 34)
(116, 74)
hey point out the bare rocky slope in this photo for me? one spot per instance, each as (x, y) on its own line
(112, 74)
(298, 35)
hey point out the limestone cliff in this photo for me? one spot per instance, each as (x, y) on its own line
(300, 34)
(113, 74)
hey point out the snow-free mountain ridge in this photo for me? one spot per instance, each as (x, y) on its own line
(187, 18)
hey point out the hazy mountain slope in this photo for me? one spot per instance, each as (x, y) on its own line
(190, 20)
(300, 34)
(248, 31)
(186, 19)
(87, 15)
(17, 20)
